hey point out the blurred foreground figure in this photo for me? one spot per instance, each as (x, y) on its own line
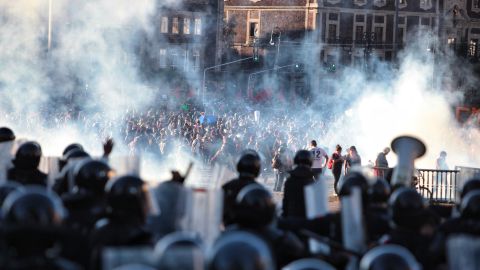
(248, 167)
(255, 212)
(127, 209)
(302, 175)
(31, 227)
(25, 170)
(389, 257)
(180, 250)
(412, 223)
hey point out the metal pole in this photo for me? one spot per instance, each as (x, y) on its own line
(395, 31)
(49, 38)
(212, 67)
(263, 71)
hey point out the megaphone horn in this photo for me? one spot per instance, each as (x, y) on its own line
(407, 149)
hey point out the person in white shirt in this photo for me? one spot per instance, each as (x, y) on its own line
(320, 159)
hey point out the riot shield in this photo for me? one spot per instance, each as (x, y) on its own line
(170, 198)
(124, 165)
(353, 224)
(50, 166)
(316, 205)
(180, 250)
(463, 252)
(310, 264)
(204, 213)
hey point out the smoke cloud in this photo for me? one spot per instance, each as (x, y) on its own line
(93, 67)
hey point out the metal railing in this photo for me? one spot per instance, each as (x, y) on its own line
(438, 185)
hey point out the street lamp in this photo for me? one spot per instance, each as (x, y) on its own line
(278, 44)
(266, 70)
(212, 67)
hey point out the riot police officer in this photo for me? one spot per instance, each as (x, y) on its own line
(61, 184)
(86, 204)
(25, 170)
(248, 167)
(255, 211)
(31, 228)
(293, 198)
(127, 209)
(412, 223)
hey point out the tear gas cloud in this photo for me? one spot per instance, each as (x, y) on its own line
(93, 67)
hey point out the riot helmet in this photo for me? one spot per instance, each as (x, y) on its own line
(354, 179)
(72, 154)
(254, 206)
(303, 157)
(73, 146)
(92, 175)
(471, 184)
(249, 165)
(180, 250)
(379, 191)
(392, 257)
(6, 134)
(308, 264)
(33, 206)
(127, 197)
(406, 208)
(470, 205)
(240, 250)
(28, 156)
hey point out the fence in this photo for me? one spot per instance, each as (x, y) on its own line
(438, 186)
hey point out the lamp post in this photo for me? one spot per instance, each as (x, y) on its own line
(212, 67)
(278, 44)
(368, 39)
(49, 37)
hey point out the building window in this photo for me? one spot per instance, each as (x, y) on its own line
(332, 32)
(402, 3)
(379, 19)
(359, 33)
(425, 21)
(164, 25)
(175, 26)
(359, 18)
(450, 41)
(163, 58)
(186, 26)
(472, 48)
(476, 6)
(198, 26)
(333, 16)
(196, 59)
(401, 35)
(379, 34)
(253, 30)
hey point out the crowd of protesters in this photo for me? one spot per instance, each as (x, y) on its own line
(91, 219)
